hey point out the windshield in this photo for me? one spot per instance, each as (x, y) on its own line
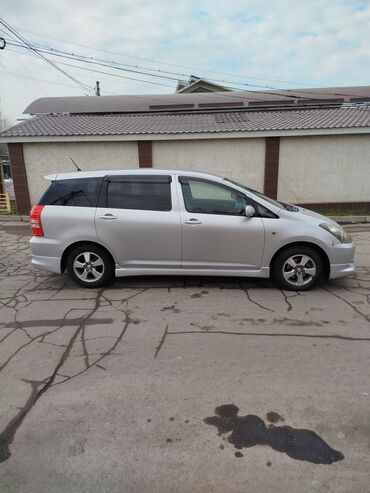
(259, 194)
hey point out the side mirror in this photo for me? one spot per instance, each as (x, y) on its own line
(249, 211)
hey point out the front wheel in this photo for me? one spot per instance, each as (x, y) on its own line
(90, 266)
(297, 268)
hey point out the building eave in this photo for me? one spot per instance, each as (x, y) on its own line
(189, 136)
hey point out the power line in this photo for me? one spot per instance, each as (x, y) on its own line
(183, 66)
(50, 62)
(122, 67)
(172, 64)
(118, 66)
(91, 62)
(150, 98)
(49, 49)
(19, 61)
(100, 71)
(138, 69)
(34, 79)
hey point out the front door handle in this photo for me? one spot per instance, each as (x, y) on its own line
(193, 220)
(108, 216)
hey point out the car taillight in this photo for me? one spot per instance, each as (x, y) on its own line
(35, 218)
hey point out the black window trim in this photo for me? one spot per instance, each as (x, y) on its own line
(103, 195)
(139, 178)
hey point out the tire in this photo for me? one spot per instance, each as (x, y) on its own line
(90, 266)
(297, 268)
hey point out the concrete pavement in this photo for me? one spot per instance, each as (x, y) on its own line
(116, 390)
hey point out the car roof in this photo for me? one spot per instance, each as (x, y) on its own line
(132, 171)
(154, 171)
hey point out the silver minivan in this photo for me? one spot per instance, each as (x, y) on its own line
(101, 224)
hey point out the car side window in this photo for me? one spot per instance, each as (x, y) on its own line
(139, 194)
(75, 192)
(206, 197)
(264, 212)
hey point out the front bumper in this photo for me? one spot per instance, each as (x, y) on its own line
(341, 270)
(342, 260)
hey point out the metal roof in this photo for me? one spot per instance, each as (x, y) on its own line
(196, 101)
(188, 123)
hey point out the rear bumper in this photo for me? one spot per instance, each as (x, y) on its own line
(41, 248)
(51, 264)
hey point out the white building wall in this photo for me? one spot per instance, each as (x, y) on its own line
(239, 159)
(311, 169)
(324, 169)
(47, 158)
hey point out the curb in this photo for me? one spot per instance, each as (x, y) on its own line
(350, 219)
(24, 219)
(357, 228)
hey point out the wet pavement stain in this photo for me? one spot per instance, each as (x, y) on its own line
(250, 430)
(206, 328)
(172, 308)
(274, 417)
(198, 295)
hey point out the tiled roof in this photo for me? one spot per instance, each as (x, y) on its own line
(228, 121)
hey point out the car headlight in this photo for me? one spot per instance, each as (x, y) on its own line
(338, 232)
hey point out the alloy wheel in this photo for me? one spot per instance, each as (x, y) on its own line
(299, 270)
(88, 267)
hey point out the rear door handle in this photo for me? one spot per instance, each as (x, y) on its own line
(193, 220)
(108, 216)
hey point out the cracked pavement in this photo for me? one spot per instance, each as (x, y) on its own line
(107, 390)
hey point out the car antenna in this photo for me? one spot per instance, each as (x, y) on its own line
(78, 169)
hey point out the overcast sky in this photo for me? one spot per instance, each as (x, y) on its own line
(280, 44)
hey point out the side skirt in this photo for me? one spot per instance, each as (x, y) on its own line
(124, 272)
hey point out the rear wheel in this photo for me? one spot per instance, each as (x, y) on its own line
(90, 266)
(297, 268)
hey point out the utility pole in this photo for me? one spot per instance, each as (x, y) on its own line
(97, 88)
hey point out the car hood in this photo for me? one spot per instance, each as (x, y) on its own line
(314, 215)
(303, 214)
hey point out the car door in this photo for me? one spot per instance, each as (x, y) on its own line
(216, 234)
(138, 219)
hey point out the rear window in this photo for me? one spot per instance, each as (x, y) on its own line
(72, 193)
(139, 195)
